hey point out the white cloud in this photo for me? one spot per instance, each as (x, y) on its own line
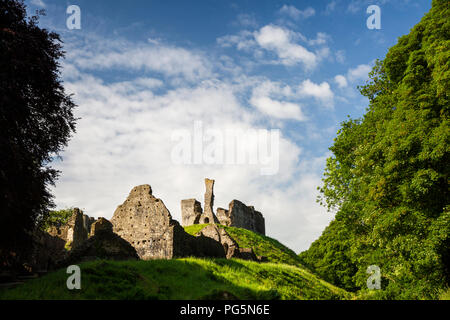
(38, 3)
(340, 56)
(167, 60)
(323, 53)
(272, 88)
(321, 92)
(359, 73)
(295, 13)
(123, 138)
(331, 6)
(263, 98)
(321, 39)
(278, 109)
(341, 81)
(244, 40)
(353, 7)
(246, 20)
(281, 41)
(356, 5)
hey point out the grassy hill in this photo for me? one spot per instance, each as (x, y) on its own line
(189, 278)
(283, 277)
(261, 245)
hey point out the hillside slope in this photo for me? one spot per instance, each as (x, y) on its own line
(189, 278)
(261, 245)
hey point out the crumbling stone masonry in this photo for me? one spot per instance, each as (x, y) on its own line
(191, 209)
(142, 228)
(51, 247)
(208, 215)
(76, 231)
(230, 246)
(104, 244)
(191, 212)
(242, 216)
(144, 221)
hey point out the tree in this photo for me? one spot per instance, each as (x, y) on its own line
(56, 218)
(36, 122)
(389, 173)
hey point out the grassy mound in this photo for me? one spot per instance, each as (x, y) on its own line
(189, 278)
(261, 245)
(194, 229)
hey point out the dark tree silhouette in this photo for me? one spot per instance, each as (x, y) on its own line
(36, 122)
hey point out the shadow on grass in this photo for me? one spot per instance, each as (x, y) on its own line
(140, 280)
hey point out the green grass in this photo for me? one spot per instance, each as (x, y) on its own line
(445, 295)
(194, 229)
(264, 246)
(283, 277)
(261, 245)
(188, 278)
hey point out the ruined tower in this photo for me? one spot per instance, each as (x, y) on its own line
(208, 215)
(238, 214)
(191, 209)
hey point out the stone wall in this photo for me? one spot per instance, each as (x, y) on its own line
(191, 211)
(242, 216)
(75, 231)
(147, 225)
(223, 216)
(48, 251)
(102, 244)
(208, 215)
(142, 228)
(230, 246)
(52, 247)
(238, 214)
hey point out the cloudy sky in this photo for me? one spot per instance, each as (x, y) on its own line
(154, 80)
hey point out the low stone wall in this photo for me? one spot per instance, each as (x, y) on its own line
(103, 244)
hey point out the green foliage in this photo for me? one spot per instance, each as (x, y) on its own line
(194, 229)
(56, 218)
(389, 173)
(178, 279)
(68, 246)
(36, 122)
(445, 295)
(261, 245)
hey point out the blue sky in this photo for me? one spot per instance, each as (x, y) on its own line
(144, 71)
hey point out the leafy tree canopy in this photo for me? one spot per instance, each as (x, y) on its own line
(389, 173)
(36, 122)
(56, 218)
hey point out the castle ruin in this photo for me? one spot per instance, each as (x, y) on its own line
(144, 221)
(143, 228)
(238, 214)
